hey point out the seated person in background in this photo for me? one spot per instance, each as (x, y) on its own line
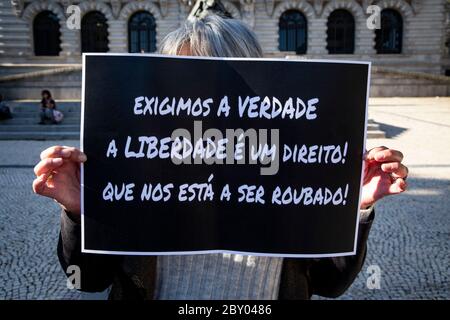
(48, 105)
(5, 112)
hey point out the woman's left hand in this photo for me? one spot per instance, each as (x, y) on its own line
(384, 175)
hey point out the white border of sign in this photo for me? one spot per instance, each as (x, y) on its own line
(142, 253)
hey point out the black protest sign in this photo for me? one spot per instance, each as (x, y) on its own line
(194, 155)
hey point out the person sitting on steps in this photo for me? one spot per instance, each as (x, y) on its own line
(48, 105)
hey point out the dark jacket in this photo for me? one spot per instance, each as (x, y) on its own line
(133, 277)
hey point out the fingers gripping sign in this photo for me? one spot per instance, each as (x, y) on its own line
(384, 174)
(58, 177)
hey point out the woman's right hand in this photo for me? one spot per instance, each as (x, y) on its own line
(58, 177)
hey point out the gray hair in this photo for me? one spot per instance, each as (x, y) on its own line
(213, 36)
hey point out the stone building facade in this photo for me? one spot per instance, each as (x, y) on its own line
(416, 68)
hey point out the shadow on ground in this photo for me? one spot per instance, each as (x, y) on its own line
(391, 131)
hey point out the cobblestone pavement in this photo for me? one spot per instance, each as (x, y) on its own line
(409, 240)
(29, 267)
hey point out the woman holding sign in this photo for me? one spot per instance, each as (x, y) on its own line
(209, 276)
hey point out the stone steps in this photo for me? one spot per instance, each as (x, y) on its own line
(34, 114)
(40, 128)
(30, 107)
(24, 125)
(65, 85)
(33, 135)
(376, 134)
(35, 119)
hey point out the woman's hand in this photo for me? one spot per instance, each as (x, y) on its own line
(384, 174)
(58, 177)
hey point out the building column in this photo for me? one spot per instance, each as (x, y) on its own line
(70, 40)
(118, 36)
(364, 40)
(317, 36)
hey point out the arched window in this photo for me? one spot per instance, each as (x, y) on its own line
(389, 38)
(142, 32)
(94, 32)
(293, 32)
(341, 32)
(46, 34)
